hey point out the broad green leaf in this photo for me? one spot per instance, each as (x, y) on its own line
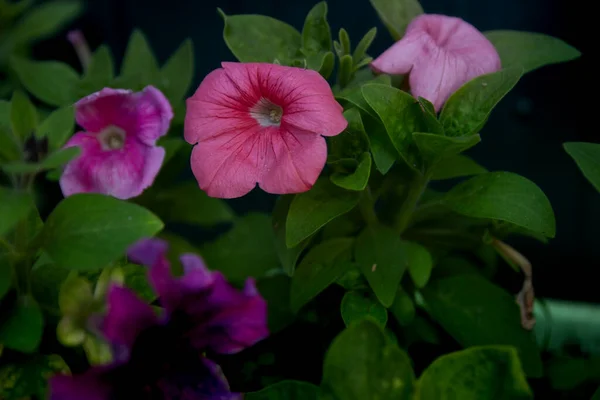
(476, 312)
(430, 117)
(361, 364)
(248, 249)
(401, 114)
(397, 14)
(136, 278)
(467, 110)
(356, 306)
(30, 376)
(434, 147)
(45, 20)
(455, 167)
(530, 50)
(23, 116)
(403, 308)
(139, 67)
(286, 390)
(88, 231)
(316, 35)
(50, 81)
(276, 292)
(54, 160)
(21, 329)
(287, 256)
(504, 196)
(358, 179)
(361, 48)
(100, 73)
(258, 38)
(14, 206)
(321, 266)
(483, 372)
(57, 127)
(420, 263)
(352, 142)
(178, 72)
(311, 210)
(6, 274)
(10, 146)
(587, 157)
(382, 259)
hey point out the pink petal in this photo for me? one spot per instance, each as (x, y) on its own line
(107, 107)
(154, 115)
(123, 173)
(399, 59)
(293, 162)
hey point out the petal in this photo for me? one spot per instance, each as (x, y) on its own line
(148, 251)
(89, 386)
(123, 173)
(399, 59)
(154, 115)
(293, 161)
(107, 107)
(228, 166)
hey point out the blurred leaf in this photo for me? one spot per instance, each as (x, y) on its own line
(587, 157)
(136, 278)
(286, 390)
(358, 179)
(6, 275)
(403, 308)
(178, 72)
(434, 147)
(57, 127)
(14, 206)
(287, 256)
(45, 20)
(54, 160)
(75, 295)
(352, 142)
(356, 306)
(139, 67)
(420, 263)
(22, 327)
(23, 115)
(455, 167)
(316, 35)
(46, 280)
(397, 14)
(10, 146)
(100, 73)
(30, 376)
(276, 291)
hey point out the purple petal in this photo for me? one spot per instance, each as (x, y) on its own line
(154, 115)
(89, 386)
(107, 107)
(148, 251)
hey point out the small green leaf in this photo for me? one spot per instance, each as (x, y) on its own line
(140, 67)
(23, 115)
(178, 72)
(455, 167)
(358, 179)
(403, 308)
(420, 263)
(316, 35)
(57, 127)
(258, 38)
(46, 281)
(351, 143)
(311, 210)
(287, 256)
(361, 364)
(54, 160)
(30, 376)
(434, 147)
(10, 146)
(482, 372)
(345, 70)
(286, 390)
(381, 257)
(356, 306)
(363, 46)
(14, 206)
(88, 231)
(587, 157)
(321, 266)
(21, 329)
(476, 312)
(504, 196)
(467, 110)
(50, 81)
(136, 278)
(75, 295)
(45, 20)
(100, 73)
(530, 50)
(397, 14)
(276, 292)
(344, 42)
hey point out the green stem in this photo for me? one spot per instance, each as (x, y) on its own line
(367, 205)
(415, 191)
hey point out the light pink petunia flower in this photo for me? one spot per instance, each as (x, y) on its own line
(119, 156)
(440, 54)
(260, 123)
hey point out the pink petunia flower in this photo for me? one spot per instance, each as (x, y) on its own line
(440, 54)
(260, 123)
(119, 156)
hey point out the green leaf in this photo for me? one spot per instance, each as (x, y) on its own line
(344, 41)
(358, 179)
(483, 372)
(287, 256)
(476, 312)
(420, 263)
(14, 206)
(455, 167)
(6, 276)
(530, 50)
(361, 364)
(46, 281)
(100, 73)
(403, 308)
(397, 14)
(587, 157)
(322, 62)
(434, 147)
(139, 67)
(321, 266)
(45, 20)
(286, 390)
(504, 196)
(401, 114)
(178, 72)
(467, 110)
(276, 292)
(136, 278)
(57, 127)
(50, 81)
(352, 142)
(254, 243)
(22, 327)
(356, 306)
(10, 146)
(345, 70)
(54, 160)
(88, 231)
(23, 115)
(311, 210)
(316, 35)
(258, 38)
(381, 257)
(30, 377)
(363, 46)
(596, 395)
(75, 295)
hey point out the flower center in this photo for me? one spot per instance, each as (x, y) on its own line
(112, 138)
(267, 113)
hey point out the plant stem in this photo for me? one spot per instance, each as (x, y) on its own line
(366, 206)
(415, 191)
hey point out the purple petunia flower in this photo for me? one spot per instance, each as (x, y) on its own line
(161, 357)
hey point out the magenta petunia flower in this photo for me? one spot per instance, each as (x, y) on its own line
(119, 156)
(440, 54)
(260, 123)
(162, 357)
